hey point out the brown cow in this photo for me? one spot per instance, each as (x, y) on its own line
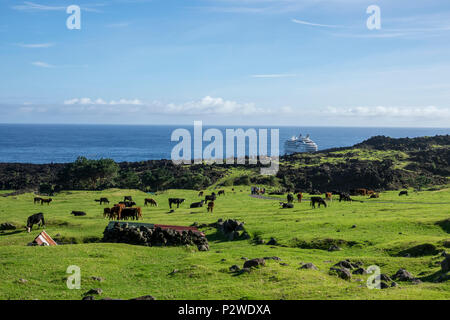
(47, 201)
(151, 201)
(374, 196)
(299, 196)
(328, 196)
(210, 206)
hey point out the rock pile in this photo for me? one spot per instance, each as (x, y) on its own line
(232, 229)
(7, 226)
(154, 237)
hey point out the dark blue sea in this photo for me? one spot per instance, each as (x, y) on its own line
(29, 143)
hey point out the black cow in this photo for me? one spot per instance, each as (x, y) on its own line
(127, 198)
(102, 200)
(290, 198)
(211, 197)
(37, 200)
(176, 201)
(37, 218)
(344, 197)
(78, 213)
(221, 192)
(285, 205)
(319, 201)
(197, 204)
(403, 193)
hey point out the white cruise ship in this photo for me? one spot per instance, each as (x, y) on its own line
(300, 144)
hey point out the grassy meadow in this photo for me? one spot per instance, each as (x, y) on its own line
(375, 232)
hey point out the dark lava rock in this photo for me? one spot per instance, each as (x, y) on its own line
(445, 264)
(148, 297)
(245, 270)
(394, 284)
(272, 242)
(383, 285)
(360, 271)
(342, 273)
(334, 248)
(272, 258)
(99, 279)
(234, 268)
(384, 277)
(7, 226)
(426, 249)
(346, 264)
(403, 275)
(254, 263)
(97, 291)
(309, 265)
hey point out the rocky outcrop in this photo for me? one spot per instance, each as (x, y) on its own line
(154, 237)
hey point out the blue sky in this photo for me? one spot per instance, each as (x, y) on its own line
(232, 62)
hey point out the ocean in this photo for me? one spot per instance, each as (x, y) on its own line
(32, 143)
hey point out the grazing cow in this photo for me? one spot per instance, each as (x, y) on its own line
(285, 205)
(299, 197)
(37, 200)
(127, 198)
(128, 204)
(374, 196)
(37, 218)
(359, 192)
(210, 206)
(211, 197)
(370, 192)
(107, 213)
(47, 201)
(317, 200)
(78, 213)
(176, 201)
(151, 201)
(131, 213)
(116, 211)
(200, 194)
(344, 197)
(221, 192)
(197, 204)
(403, 193)
(102, 200)
(290, 198)
(328, 196)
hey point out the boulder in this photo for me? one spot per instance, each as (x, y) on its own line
(403, 275)
(360, 271)
(342, 273)
(253, 263)
(272, 242)
(309, 265)
(96, 291)
(445, 264)
(234, 268)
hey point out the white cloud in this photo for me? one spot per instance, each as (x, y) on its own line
(315, 24)
(42, 64)
(89, 101)
(431, 112)
(35, 45)
(31, 6)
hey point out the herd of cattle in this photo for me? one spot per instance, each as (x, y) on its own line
(127, 208)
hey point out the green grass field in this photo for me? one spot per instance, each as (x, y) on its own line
(384, 228)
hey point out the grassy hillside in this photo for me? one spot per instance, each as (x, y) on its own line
(385, 229)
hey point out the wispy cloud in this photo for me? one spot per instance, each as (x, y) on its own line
(99, 101)
(432, 112)
(316, 24)
(42, 64)
(31, 6)
(274, 75)
(35, 45)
